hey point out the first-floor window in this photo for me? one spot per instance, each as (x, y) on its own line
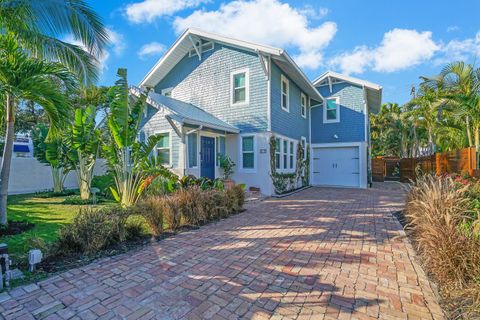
(163, 149)
(192, 150)
(285, 154)
(220, 148)
(277, 152)
(291, 154)
(248, 154)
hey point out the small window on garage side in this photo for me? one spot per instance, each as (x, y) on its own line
(163, 149)
(331, 112)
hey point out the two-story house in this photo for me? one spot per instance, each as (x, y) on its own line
(212, 95)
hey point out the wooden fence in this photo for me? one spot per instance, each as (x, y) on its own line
(462, 161)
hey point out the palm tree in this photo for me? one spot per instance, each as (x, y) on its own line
(38, 26)
(425, 109)
(460, 83)
(26, 78)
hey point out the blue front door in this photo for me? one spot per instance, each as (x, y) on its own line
(207, 157)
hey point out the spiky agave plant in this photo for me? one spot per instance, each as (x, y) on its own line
(129, 159)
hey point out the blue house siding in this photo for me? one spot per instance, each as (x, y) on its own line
(351, 127)
(155, 122)
(206, 84)
(290, 124)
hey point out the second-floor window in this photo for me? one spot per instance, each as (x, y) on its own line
(285, 93)
(303, 105)
(331, 112)
(240, 86)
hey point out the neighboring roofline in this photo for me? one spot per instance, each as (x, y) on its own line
(346, 78)
(254, 47)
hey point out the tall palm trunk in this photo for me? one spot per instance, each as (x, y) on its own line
(469, 133)
(7, 158)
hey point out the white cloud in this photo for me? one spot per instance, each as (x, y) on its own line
(117, 45)
(267, 22)
(149, 10)
(457, 50)
(453, 28)
(150, 49)
(399, 50)
(117, 41)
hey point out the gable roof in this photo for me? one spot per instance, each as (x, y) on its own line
(185, 113)
(184, 44)
(373, 91)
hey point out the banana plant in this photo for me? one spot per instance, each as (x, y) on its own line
(84, 147)
(53, 152)
(128, 159)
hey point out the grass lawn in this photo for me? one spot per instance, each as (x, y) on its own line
(48, 215)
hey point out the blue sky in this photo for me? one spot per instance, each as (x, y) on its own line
(387, 42)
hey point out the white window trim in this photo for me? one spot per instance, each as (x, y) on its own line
(255, 154)
(282, 153)
(217, 150)
(247, 87)
(170, 135)
(284, 79)
(303, 108)
(188, 152)
(292, 163)
(279, 153)
(303, 139)
(337, 102)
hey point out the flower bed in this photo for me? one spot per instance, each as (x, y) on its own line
(444, 222)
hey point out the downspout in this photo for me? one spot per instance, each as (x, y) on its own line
(367, 135)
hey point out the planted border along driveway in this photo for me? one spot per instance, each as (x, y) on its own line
(319, 254)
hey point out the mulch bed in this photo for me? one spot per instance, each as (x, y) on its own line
(16, 227)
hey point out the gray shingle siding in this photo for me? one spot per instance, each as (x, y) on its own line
(290, 124)
(155, 122)
(206, 84)
(351, 127)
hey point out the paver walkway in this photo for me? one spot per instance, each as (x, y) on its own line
(318, 254)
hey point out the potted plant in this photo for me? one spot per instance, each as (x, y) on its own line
(226, 164)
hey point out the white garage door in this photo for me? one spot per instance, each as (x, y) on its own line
(338, 166)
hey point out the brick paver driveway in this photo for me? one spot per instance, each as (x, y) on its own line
(319, 254)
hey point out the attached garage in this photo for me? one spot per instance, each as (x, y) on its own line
(338, 166)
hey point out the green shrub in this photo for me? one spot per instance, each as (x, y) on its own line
(77, 200)
(52, 194)
(93, 230)
(103, 183)
(190, 203)
(152, 210)
(134, 229)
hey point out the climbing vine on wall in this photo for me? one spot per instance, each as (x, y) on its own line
(284, 182)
